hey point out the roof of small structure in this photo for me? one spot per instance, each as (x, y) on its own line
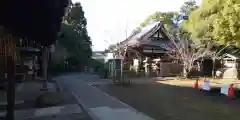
(230, 56)
(35, 20)
(142, 36)
(98, 54)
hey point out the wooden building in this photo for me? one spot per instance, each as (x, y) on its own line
(148, 42)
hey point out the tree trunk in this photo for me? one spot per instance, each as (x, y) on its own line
(185, 72)
(213, 68)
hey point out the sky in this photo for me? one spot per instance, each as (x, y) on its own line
(108, 20)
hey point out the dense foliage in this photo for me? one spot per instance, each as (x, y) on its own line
(216, 20)
(188, 7)
(164, 17)
(74, 37)
(170, 19)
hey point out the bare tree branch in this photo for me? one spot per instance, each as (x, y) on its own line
(184, 50)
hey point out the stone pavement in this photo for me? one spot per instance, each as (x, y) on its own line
(49, 112)
(98, 104)
(28, 92)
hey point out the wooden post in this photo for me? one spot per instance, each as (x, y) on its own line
(10, 76)
(10, 55)
(121, 70)
(49, 64)
(8, 52)
(45, 54)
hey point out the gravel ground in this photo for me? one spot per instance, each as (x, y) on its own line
(168, 102)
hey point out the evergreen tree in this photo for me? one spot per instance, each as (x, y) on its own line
(74, 36)
(216, 20)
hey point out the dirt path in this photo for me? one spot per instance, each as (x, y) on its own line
(167, 102)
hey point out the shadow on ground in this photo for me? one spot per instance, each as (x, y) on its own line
(166, 102)
(33, 98)
(30, 92)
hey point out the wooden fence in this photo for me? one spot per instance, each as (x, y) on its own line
(170, 69)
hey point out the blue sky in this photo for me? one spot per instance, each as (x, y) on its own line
(109, 19)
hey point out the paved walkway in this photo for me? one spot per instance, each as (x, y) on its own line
(97, 103)
(40, 113)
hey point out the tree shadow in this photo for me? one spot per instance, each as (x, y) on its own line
(168, 102)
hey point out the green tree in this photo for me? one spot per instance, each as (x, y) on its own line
(188, 7)
(167, 18)
(164, 17)
(226, 26)
(74, 36)
(216, 20)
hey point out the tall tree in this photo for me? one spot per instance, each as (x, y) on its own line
(185, 10)
(184, 50)
(188, 7)
(171, 19)
(216, 20)
(74, 35)
(226, 26)
(167, 17)
(164, 17)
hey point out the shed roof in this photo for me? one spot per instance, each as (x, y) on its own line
(230, 56)
(36, 20)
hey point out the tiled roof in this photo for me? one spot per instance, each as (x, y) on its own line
(141, 36)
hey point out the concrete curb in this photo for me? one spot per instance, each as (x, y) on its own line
(113, 98)
(85, 109)
(58, 86)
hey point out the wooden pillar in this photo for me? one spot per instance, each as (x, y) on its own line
(50, 51)
(44, 63)
(10, 77)
(45, 56)
(34, 67)
(8, 48)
